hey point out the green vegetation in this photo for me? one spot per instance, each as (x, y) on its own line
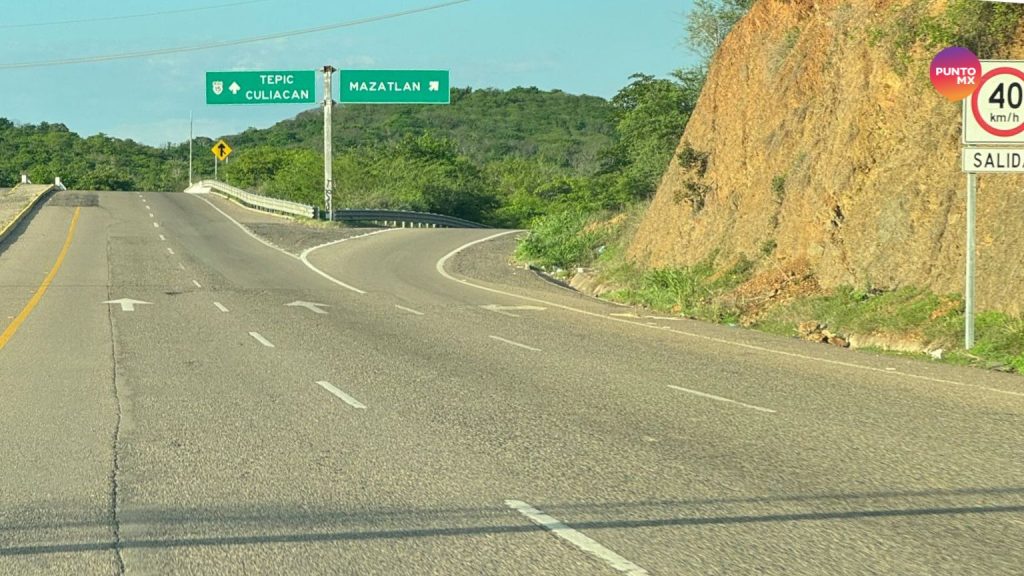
(779, 188)
(551, 127)
(695, 291)
(710, 21)
(919, 317)
(564, 239)
(97, 162)
(498, 157)
(983, 27)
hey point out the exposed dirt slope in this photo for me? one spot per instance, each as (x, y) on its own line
(817, 142)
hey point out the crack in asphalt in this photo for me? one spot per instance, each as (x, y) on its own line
(116, 436)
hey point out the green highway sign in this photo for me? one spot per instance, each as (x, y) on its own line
(265, 87)
(394, 87)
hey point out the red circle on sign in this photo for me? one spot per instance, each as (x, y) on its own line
(977, 113)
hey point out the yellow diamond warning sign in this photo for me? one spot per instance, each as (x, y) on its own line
(221, 150)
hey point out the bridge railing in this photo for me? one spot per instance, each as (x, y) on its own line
(385, 218)
(257, 201)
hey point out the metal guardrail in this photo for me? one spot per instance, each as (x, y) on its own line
(259, 201)
(399, 218)
(392, 218)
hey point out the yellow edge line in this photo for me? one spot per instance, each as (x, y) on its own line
(17, 322)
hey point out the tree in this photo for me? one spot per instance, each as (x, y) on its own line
(709, 23)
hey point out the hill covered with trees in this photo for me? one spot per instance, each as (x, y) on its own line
(499, 157)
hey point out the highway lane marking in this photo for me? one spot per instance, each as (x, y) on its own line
(763, 349)
(220, 307)
(246, 230)
(314, 307)
(171, 252)
(9, 332)
(162, 238)
(261, 339)
(500, 339)
(721, 399)
(576, 538)
(198, 285)
(304, 257)
(151, 215)
(345, 397)
(156, 224)
(409, 310)
(180, 265)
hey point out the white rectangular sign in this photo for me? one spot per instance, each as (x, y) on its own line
(979, 160)
(994, 113)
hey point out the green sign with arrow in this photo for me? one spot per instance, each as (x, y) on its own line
(265, 87)
(394, 87)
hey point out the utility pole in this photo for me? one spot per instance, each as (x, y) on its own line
(191, 124)
(328, 143)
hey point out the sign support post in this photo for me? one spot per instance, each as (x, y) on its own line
(992, 115)
(328, 144)
(972, 189)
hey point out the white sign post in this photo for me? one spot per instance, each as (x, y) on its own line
(993, 114)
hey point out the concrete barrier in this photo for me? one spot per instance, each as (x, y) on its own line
(36, 193)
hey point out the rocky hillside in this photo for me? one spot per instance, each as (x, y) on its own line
(820, 149)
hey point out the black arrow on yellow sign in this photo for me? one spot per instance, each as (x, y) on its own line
(221, 150)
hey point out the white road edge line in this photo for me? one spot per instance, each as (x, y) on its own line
(220, 307)
(721, 399)
(500, 339)
(409, 310)
(244, 229)
(304, 257)
(345, 397)
(443, 272)
(198, 285)
(261, 339)
(305, 253)
(576, 538)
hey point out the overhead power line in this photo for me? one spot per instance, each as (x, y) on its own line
(225, 43)
(131, 16)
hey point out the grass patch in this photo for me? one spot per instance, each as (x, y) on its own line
(853, 311)
(693, 291)
(567, 239)
(932, 320)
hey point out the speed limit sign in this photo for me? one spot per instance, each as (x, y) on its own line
(994, 113)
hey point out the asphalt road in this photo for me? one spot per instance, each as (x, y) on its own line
(430, 411)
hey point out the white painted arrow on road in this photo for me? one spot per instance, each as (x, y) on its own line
(310, 305)
(127, 304)
(504, 309)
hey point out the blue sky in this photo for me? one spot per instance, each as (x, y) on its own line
(579, 46)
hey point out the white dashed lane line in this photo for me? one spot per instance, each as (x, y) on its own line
(577, 539)
(409, 310)
(344, 397)
(721, 399)
(524, 346)
(261, 339)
